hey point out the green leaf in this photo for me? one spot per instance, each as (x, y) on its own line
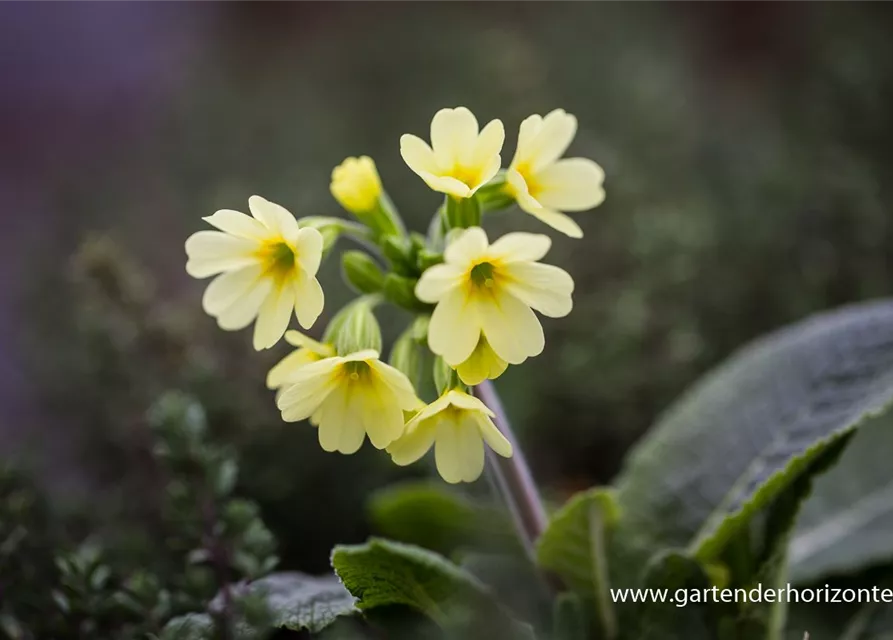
(570, 618)
(298, 601)
(382, 573)
(872, 621)
(845, 524)
(433, 516)
(573, 547)
(742, 434)
(768, 620)
(192, 626)
(671, 572)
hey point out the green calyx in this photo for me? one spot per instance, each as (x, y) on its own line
(355, 327)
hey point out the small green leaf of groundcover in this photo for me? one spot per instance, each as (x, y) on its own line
(573, 546)
(383, 573)
(192, 626)
(742, 434)
(298, 601)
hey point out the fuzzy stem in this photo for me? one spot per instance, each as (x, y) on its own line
(512, 476)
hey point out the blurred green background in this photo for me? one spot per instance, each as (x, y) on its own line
(748, 149)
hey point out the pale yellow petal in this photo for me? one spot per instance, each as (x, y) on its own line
(284, 370)
(308, 250)
(417, 155)
(447, 184)
(454, 328)
(298, 339)
(273, 317)
(361, 356)
(275, 217)
(459, 450)
(554, 137)
(558, 221)
(467, 402)
(520, 246)
(467, 247)
(518, 188)
(511, 328)
(397, 383)
(437, 281)
(493, 437)
(481, 366)
(486, 155)
(238, 224)
(543, 287)
(212, 252)
(337, 423)
(240, 313)
(414, 443)
(381, 414)
(229, 287)
(429, 411)
(311, 385)
(309, 300)
(530, 127)
(573, 184)
(453, 136)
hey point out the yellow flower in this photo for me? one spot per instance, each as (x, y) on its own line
(483, 363)
(489, 291)
(268, 266)
(457, 424)
(356, 185)
(308, 351)
(460, 160)
(349, 397)
(543, 185)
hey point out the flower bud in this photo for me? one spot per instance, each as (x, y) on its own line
(401, 291)
(354, 328)
(357, 187)
(399, 252)
(361, 272)
(406, 355)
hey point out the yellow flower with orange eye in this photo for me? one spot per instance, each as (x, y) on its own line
(267, 265)
(543, 184)
(457, 425)
(485, 295)
(461, 158)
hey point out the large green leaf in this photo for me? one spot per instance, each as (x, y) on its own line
(845, 525)
(742, 434)
(384, 573)
(872, 621)
(768, 620)
(573, 546)
(671, 573)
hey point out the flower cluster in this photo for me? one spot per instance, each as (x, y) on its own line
(472, 300)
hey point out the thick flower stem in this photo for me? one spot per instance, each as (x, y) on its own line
(512, 476)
